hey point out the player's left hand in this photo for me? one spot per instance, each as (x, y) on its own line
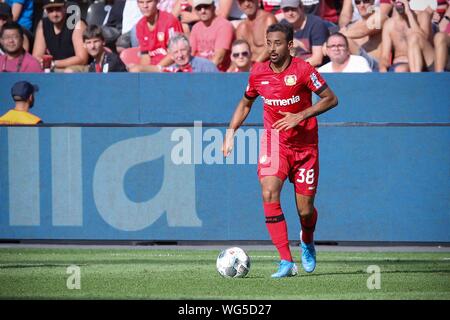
(289, 121)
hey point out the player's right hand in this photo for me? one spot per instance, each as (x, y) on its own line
(228, 142)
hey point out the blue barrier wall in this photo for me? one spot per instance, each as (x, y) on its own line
(384, 152)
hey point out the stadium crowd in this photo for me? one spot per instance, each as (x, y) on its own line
(221, 35)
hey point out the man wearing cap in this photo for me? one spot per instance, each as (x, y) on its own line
(310, 32)
(15, 59)
(253, 29)
(61, 37)
(211, 37)
(23, 94)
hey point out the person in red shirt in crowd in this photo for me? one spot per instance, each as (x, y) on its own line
(253, 28)
(211, 37)
(289, 147)
(15, 59)
(153, 32)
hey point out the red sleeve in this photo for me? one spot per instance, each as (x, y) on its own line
(251, 92)
(314, 80)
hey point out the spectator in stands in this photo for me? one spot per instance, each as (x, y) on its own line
(23, 94)
(310, 32)
(253, 28)
(153, 32)
(15, 59)
(442, 43)
(229, 9)
(403, 35)
(326, 9)
(350, 14)
(273, 7)
(60, 37)
(115, 18)
(364, 35)
(180, 52)
(130, 17)
(241, 56)
(166, 5)
(22, 11)
(183, 10)
(5, 16)
(211, 37)
(102, 60)
(341, 60)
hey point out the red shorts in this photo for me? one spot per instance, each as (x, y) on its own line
(301, 166)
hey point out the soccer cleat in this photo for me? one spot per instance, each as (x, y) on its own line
(285, 269)
(308, 256)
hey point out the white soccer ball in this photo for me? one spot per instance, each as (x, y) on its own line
(233, 263)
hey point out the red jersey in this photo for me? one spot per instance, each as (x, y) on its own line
(156, 41)
(288, 91)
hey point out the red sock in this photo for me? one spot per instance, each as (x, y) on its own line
(277, 227)
(308, 227)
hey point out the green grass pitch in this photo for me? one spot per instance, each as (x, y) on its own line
(29, 273)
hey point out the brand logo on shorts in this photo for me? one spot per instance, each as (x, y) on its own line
(290, 80)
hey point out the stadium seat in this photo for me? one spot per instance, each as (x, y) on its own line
(131, 56)
(97, 14)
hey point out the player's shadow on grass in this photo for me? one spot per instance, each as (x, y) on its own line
(361, 272)
(66, 262)
(36, 265)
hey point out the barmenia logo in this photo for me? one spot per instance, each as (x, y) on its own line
(281, 102)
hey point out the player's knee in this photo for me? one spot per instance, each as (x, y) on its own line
(270, 194)
(306, 212)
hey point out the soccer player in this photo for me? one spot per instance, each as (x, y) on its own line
(290, 144)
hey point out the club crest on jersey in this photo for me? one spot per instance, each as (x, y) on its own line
(290, 80)
(160, 36)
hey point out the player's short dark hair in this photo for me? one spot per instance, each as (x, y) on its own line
(92, 32)
(11, 25)
(285, 28)
(338, 34)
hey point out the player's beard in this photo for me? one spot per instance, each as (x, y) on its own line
(278, 59)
